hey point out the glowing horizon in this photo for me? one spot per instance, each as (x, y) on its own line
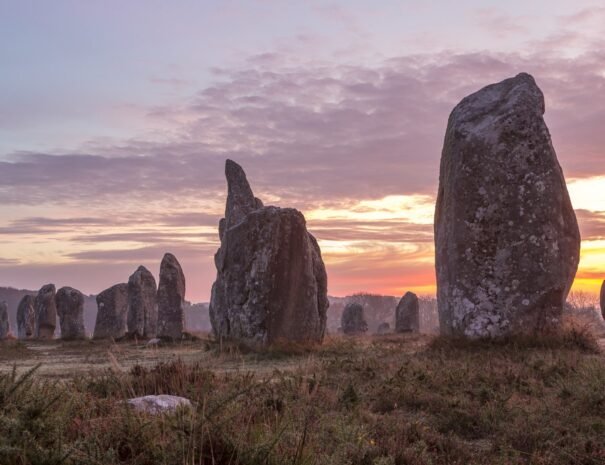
(114, 131)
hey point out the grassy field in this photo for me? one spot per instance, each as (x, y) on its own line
(374, 400)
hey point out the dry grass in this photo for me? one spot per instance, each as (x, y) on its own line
(389, 400)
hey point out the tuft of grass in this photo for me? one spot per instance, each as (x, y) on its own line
(360, 401)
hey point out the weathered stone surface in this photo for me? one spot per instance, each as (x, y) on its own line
(271, 282)
(383, 328)
(142, 306)
(112, 311)
(163, 403)
(4, 323)
(603, 299)
(26, 317)
(171, 297)
(407, 314)
(353, 320)
(506, 237)
(70, 308)
(45, 312)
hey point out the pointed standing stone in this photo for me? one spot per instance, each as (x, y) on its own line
(4, 323)
(112, 311)
(407, 314)
(142, 306)
(171, 296)
(25, 317)
(506, 238)
(45, 310)
(353, 320)
(271, 282)
(70, 309)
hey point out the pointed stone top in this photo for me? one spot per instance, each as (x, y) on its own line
(141, 274)
(47, 289)
(240, 199)
(477, 112)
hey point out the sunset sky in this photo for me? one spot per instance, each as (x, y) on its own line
(116, 118)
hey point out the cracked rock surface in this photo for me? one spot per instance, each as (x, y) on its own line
(271, 282)
(506, 237)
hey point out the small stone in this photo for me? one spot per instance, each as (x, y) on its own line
(70, 308)
(154, 342)
(407, 314)
(353, 320)
(383, 328)
(45, 309)
(26, 317)
(162, 403)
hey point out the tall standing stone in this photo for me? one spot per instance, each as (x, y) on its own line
(271, 282)
(171, 296)
(506, 237)
(142, 306)
(407, 314)
(353, 319)
(45, 312)
(603, 299)
(112, 310)
(70, 308)
(25, 317)
(4, 323)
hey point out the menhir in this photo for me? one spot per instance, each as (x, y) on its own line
(4, 321)
(112, 312)
(353, 319)
(142, 318)
(171, 297)
(70, 308)
(45, 312)
(506, 237)
(25, 317)
(271, 283)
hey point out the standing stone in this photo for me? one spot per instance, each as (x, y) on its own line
(353, 320)
(407, 314)
(4, 323)
(383, 328)
(45, 312)
(70, 308)
(271, 282)
(112, 311)
(506, 237)
(25, 317)
(142, 305)
(171, 296)
(603, 299)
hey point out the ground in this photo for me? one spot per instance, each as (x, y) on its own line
(396, 399)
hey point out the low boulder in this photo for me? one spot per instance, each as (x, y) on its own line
(159, 404)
